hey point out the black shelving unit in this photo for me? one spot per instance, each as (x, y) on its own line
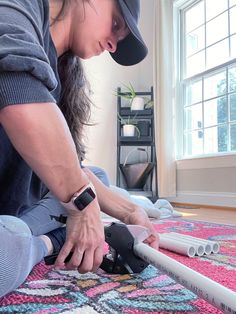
(145, 139)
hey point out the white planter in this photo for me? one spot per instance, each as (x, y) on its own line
(137, 103)
(128, 130)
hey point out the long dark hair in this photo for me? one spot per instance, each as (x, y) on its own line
(74, 103)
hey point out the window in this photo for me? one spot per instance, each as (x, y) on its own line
(207, 77)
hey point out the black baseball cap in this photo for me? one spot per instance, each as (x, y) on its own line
(132, 49)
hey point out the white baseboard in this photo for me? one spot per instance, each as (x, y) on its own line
(205, 198)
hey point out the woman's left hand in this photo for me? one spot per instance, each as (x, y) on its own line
(140, 217)
(116, 205)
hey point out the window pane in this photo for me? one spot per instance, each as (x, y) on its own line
(232, 2)
(194, 93)
(215, 85)
(193, 143)
(195, 64)
(233, 46)
(233, 20)
(232, 79)
(215, 140)
(218, 53)
(215, 111)
(232, 102)
(222, 138)
(233, 137)
(193, 117)
(217, 29)
(194, 17)
(214, 8)
(195, 41)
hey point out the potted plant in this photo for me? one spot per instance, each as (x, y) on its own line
(129, 126)
(136, 102)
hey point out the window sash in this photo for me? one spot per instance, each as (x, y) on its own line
(183, 132)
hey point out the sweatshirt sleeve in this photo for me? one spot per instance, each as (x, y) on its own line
(26, 75)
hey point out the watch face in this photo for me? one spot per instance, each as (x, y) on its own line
(85, 198)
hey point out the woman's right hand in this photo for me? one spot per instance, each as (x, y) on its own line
(85, 238)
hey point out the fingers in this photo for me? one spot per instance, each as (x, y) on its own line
(91, 261)
(153, 241)
(76, 259)
(83, 260)
(64, 252)
(87, 263)
(98, 257)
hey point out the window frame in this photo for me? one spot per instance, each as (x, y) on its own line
(179, 49)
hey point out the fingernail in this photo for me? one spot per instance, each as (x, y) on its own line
(59, 267)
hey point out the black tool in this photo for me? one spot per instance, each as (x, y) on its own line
(121, 258)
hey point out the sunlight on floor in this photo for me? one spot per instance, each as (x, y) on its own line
(188, 214)
(215, 215)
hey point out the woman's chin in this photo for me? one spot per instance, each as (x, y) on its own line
(89, 55)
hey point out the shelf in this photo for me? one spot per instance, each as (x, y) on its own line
(135, 140)
(144, 121)
(126, 111)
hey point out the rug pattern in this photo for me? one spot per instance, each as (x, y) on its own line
(150, 292)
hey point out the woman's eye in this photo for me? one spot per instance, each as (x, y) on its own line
(115, 26)
(119, 28)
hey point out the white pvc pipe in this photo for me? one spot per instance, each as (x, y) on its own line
(207, 289)
(177, 246)
(207, 247)
(215, 247)
(201, 247)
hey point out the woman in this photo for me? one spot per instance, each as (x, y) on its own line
(38, 152)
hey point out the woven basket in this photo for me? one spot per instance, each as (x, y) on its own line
(136, 174)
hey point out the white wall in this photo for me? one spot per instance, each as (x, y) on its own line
(105, 76)
(207, 181)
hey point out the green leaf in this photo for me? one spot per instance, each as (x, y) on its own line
(130, 94)
(137, 130)
(149, 104)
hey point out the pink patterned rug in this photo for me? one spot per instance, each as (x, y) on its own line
(150, 292)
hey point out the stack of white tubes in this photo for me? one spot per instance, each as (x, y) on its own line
(187, 245)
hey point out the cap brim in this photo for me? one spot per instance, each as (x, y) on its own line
(132, 49)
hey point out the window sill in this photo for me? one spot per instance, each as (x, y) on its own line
(223, 161)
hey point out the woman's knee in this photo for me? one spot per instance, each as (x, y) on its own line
(100, 174)
(15, 244)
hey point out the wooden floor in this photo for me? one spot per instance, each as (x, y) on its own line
(211, 214)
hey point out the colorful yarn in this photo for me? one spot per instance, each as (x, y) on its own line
(150, 292)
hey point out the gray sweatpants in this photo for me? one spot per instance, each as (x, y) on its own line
(38, 217)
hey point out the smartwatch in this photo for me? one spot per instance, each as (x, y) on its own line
(80, 200)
